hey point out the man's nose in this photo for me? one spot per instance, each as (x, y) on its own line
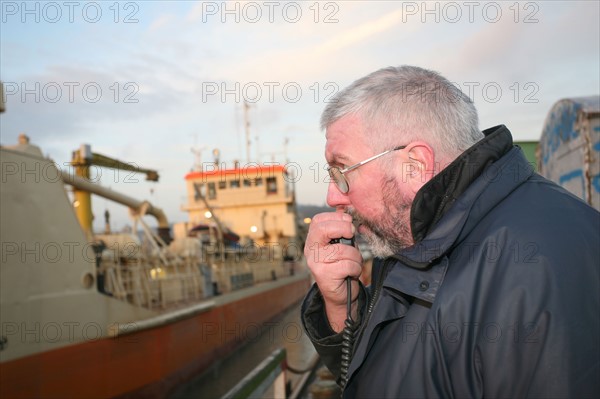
(335, 198)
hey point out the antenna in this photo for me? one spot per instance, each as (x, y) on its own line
(216, 153)
(197, 155)
(247, 127)
(258, 154)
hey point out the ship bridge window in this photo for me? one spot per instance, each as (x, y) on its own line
(199, 191)
(222, 184)
(212, 191)
(258, 182)
(246, 182)
(271, 185)
(234, 184)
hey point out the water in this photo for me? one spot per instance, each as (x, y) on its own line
(285, 331)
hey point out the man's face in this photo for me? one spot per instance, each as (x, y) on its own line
(377, 200)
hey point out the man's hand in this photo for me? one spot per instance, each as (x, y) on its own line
(330, 264)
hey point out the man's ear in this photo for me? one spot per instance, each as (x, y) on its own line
(420, 166)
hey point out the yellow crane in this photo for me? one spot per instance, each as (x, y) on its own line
(82, 159)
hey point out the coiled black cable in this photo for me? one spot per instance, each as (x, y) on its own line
(348, 336)
(350, 326)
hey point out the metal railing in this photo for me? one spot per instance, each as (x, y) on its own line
(160, 279)
(268, 379)
(269, 374)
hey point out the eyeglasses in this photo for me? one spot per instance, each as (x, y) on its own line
(338, 175)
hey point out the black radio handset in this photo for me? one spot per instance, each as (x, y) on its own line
(349, 332)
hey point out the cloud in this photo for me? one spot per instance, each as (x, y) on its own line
(365, 31)
(302, 51)
(161, 21)
(558, 33)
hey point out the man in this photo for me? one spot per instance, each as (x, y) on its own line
(486, 282)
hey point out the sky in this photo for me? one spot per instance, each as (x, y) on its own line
(148, 81)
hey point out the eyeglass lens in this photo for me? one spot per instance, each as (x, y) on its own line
(339, 179)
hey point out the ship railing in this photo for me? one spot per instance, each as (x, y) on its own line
(269, 379)
(240, 272)
(151, 281)
(155, 276)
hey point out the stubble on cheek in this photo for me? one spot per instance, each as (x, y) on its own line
(390, 231)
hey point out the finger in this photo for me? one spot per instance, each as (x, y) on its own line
(331, 279)
(347, 268)
(327, 230)
(330, 253)
(333, 253)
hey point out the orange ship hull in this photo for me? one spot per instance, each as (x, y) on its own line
(148, 363)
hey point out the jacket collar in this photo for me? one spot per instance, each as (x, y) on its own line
(444, 207)
(439, 194)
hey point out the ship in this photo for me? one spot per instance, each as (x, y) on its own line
(135, 315)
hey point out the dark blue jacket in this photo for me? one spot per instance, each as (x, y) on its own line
(500, 297)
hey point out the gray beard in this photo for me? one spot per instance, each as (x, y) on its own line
(391, 233)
